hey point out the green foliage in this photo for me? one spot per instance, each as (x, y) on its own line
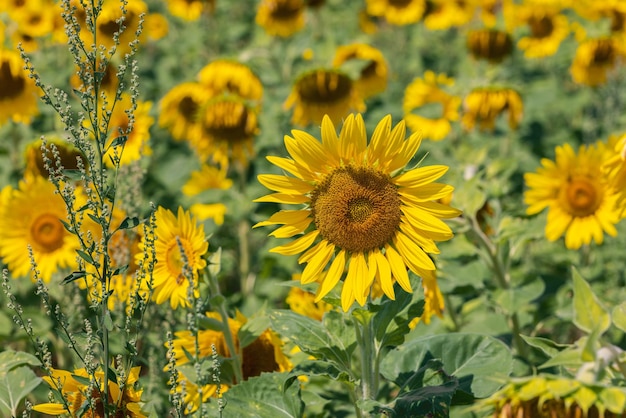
(17, 380)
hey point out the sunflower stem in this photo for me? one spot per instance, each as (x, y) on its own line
(369, 358)
(246, 279)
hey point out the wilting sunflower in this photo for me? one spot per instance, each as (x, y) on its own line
(136, 144)
(489, 44)
(374, 71)
(31, 215)
(170, 281)
(446, 14)
(402, 12)
(574, 189)
(362, 211)
(77, 393)
(323, 92)
(595, 59)
(18, 95)
(228, 76)
(179, 108)
(226, 128)
(548, 27)
(190, 9)
(555, 396)
(613, 10)
(433, 300)
(68, 156)
(615, 167)
(281, 17)
(421, 95)
(483, 105)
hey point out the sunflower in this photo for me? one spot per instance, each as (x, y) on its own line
(489, 44)
(489, 11)
(427, 91)
(321, 92)
(31, 215)
(108, 24)
(446, 14)
(362, 212)
(594, 59)
(433, 300)
(18, 95)
(397, 12)
(281, 17)
(613, 10)
(226, 128)
(548, 27)
(77, 393)
(213, 211)
(547, 396)
(135, 146)
(303, 302)
(207, 178)
(615, 167)
(35, 18)
(228, 76)
(170, 281)
(485, 104)
(374, 71)
(574, 189)
(190, 10)
(67, 153)
(179, 108)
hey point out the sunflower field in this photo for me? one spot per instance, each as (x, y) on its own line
(313, 208)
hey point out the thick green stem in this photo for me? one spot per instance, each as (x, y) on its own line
(369, 359)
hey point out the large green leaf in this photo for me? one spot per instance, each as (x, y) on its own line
(311, 337)
(589, 313)
(15, 385)
(263, 397)
(11, 359)
(517, 299)
(619, 316)
(479, 362)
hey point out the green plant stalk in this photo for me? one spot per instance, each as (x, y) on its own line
(369, 359)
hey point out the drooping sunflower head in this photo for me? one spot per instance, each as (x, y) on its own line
(483, 105)
(397, 12)
(428, 107)
(595, 59)
(179, 249)
(67, 159)
(281, 17)
(18, 95)
(575, 191)
(179, 108)
(373, 73)
(225, 131)
(321, 92)
(489, 44)
(363, 214)
(229, 76)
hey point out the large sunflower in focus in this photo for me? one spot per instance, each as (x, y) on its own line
(31, 215)
(575, 191)
(403, 12)
(363, 213)
(281, 17)
(18, 93)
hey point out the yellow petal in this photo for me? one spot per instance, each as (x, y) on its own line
(290, 166)
(288, 231)
(358, 269)
(285, 217)
(284, 184)
(420, 176)
(50, 408)
(412, 254)
(333, 275)
(317, 263)
(398, 268)
(383, 273)
(298, 245)
(290, 199)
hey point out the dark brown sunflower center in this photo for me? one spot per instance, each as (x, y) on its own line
(604, 52)
(259, 357)
(324, 87)
(188, 108)
(583, 197)
(541, 27)
(356, 208)
(47, 232)
(490, 44)
(399, 3)
(68, 159)
(12, 85)
(110, 27)
(287, 9)
(618, 21)
(228, 121)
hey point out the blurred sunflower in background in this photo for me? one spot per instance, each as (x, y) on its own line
(615, 167)
(483, 105)
(446, 14)
(206, 179)
(228, 76)
(321, 92)
(180, 106)
(397, 12)
(363, 212)
(31, 216)
(34, 21)
(489, 44)
(107, 76)
(595, 59)
(190, 10)
(428, 108)
(78, 387)
(170, 280)
(225, 131)
(281, 18)
(373, 69)
(574, 189)
(304, 302)
(18, 96)
(68, 156)
(547, 25)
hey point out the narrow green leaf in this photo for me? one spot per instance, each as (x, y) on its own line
(205, 322)
(129, 223)
(75, 275)
(85, 256)
(108, 321)
(589, 313)
(95, 218)
(549, 347)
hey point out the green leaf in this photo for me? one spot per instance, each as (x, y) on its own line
(317, 368)
(215, 262)
(589, 313)
(252, 329)
(479, 362)
(571, 356)
(86, 257)
(517, 299)
(428, 401)
(549, 347)
(129, 223)
(75, 275)
(205, 322)
(15, 385)
(73, 174)
(263, 397)
(311, 337)
(10, 359)
(619, 316)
